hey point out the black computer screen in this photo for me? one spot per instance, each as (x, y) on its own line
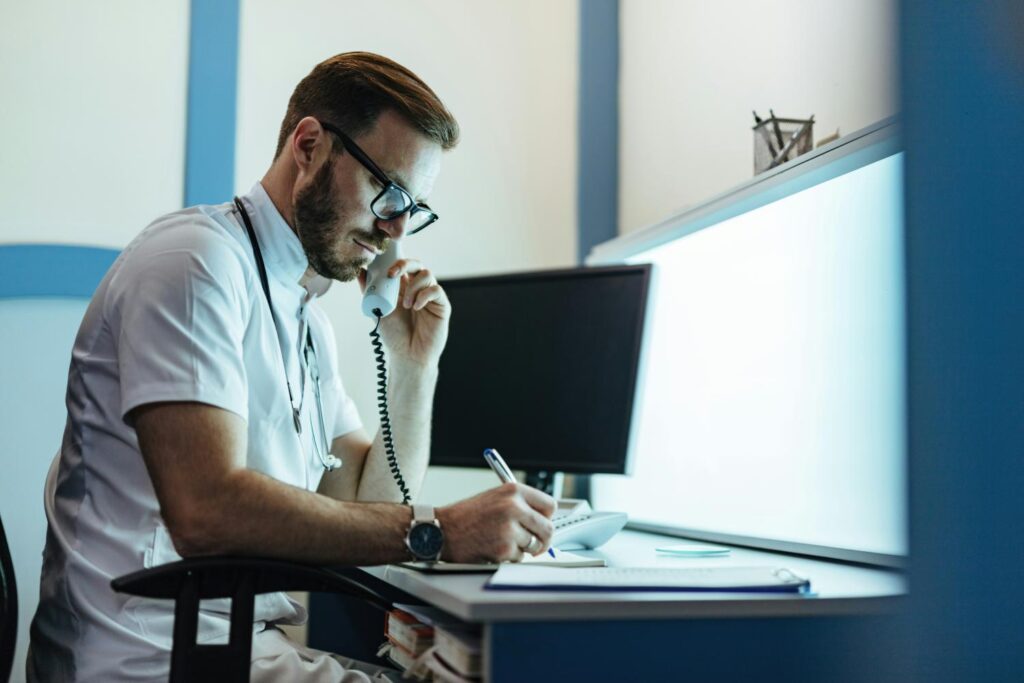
(543, 367)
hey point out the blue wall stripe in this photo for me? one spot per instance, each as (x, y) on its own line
(52, 270)
(212, 95)
(597, 191)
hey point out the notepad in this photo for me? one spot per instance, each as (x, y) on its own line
(561, 560)
(740, 579)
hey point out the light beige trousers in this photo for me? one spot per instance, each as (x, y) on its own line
(276, 658)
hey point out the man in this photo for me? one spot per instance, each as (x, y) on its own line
(196, 423)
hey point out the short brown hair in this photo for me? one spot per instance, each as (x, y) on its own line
(352, 89)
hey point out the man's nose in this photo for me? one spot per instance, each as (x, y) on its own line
(395, 228)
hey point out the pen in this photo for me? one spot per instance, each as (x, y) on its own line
(778, 131)
(792, 141)
(497, 464)
(767, 135)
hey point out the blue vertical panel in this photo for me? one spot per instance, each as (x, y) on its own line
(212, 86)
(963, 94)
(597, 192)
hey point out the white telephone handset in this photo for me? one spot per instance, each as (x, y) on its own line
(381, 293)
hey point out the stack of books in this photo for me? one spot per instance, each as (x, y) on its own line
(455, 657)
(428, 644)
(408, 639)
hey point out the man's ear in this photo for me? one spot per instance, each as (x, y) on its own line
(308, 143)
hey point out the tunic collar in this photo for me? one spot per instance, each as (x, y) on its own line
(282, 250)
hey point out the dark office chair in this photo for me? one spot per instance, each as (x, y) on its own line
(8, 608)
(241, 579)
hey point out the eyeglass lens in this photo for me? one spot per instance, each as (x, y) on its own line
(393, 202)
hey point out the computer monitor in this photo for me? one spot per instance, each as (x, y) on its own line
(542, 366)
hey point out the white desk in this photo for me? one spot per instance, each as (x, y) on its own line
(851, 607)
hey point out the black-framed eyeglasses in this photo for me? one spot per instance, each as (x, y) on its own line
(394, 200)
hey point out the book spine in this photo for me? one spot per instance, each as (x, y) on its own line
(462, 656)
(415, 637)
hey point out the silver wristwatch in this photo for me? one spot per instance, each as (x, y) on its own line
(425, 539)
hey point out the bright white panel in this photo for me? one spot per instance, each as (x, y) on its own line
(773, 403)
(94, 115)
(33, 372)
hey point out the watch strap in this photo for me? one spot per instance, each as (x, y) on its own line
(423, 513)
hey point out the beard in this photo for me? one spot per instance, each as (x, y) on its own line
(317, 220)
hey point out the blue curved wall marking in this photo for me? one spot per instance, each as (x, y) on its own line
(52, 270)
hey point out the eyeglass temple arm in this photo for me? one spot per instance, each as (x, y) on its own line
(358, 153)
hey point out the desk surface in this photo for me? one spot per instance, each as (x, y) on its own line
(838, 589)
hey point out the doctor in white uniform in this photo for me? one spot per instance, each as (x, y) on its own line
(193, 422)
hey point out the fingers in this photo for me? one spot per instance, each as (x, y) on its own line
(539, 501)
(539, 527)
(533, 522)
(405, 266)
(523, 539)
(417, 299)
(421, 287)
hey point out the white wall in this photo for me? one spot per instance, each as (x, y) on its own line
(692, 71)
(93, 117)
(506, 194)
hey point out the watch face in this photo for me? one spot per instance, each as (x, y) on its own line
(425, 540)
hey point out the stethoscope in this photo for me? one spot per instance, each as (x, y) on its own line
(327, 459)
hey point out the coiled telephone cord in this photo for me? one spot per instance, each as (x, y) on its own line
(382, 407)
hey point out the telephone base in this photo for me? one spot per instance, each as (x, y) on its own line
(587, 530)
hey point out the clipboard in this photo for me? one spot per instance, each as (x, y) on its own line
(688, 579)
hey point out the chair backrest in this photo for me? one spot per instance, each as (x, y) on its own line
(241, 579)
(8, 608)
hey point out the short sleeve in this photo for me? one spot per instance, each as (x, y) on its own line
(339, 404)
(181, 317)
(346, 415)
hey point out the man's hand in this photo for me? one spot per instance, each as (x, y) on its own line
(416, 332)
(497, 525)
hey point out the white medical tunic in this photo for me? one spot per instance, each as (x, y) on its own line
(180, 316)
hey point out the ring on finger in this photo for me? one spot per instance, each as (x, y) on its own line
(534, 546)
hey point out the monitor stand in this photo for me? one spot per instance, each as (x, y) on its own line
(548, 482)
